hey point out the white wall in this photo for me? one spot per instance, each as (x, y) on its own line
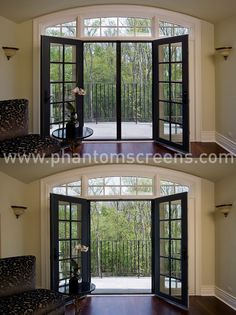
(19, 236)
(16, 73)
(225, 232)
(225, 80)
(207, 79)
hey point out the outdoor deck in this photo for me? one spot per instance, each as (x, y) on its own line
(122, 285)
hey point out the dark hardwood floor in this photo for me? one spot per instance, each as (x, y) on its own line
(145, 148)
(149, 305)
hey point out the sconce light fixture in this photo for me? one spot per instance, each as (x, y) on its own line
(225, 208)
(10, 51)
(224, 51)
(18, 210)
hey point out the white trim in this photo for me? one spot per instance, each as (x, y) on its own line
(194, 202)
(208, 136)
(225, 297)
(195, 90)
(208, 290)
(226, 143)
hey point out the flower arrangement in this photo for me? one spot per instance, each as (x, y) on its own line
(78, 91)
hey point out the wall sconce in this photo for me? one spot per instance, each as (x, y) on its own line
(225, 208)
(224, 51)
(18, 210)
(10, 51)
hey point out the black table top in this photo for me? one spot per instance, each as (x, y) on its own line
(61, 133)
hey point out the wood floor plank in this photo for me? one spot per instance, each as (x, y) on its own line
(150, 148)
(150, 305)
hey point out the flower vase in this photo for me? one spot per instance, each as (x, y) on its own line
(75, 283)
(72, 127)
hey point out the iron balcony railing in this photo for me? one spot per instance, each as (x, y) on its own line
(100, 102)
(120, 258)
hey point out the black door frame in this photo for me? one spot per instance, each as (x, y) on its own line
(45, 94)
(184, 147)
(184, 248)
(85, 239)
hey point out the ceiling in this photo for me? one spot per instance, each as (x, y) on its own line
(209, 10)
(29, 172)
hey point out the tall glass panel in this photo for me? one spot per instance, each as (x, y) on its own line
(100, 87)
(136, 90)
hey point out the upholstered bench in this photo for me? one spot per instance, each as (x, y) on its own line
(18, 295)
(14, 137)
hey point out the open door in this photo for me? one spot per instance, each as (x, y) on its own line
(61, 72)
(170, 92)
(170, 258)
(70, 226)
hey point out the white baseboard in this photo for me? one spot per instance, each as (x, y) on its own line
(226, 143)
(208, 136)
(208, 290)
(225, 297)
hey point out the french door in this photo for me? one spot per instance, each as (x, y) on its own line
(170, 92)
(170, 258)
(148, 103)
(70, 227)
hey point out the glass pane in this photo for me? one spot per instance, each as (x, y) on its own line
(56, 52)
(176, 72)
(176, 249)
(176, 229)
(177, 113)
(176, 209)
(64, 269)
(56, 113)
(176, 133)
(164, 72)
(64, 230)
(70, 53)
(74, 191)
(75, 230)
(95, 191)
(144, 181)
(129, 181)
(56, 73)
(109, 21)
(62, 212)
(76, 212)
(136, 90)
(68, 91)
(176, 92)
(112, 191)
(126, 31)
(176, 268)
(164, 110)
(144, 190)
(164, 229)
(164, 131)
(164, 53)
(144, 31)
(100, 87)
(176, 288)
(164, 285)
(64, 249)
(70, 72)
(124, 21)
(164, 266)
(112, 181)
(56, 92)
(96, 181)
(164, 211)
(108, 31)
(91, 31)
(92, 22)
(176, 52)
(164, 248)
(164, 91)
(76, 253)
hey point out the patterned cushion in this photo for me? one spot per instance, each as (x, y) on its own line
(30, 144)
(17, 274)
(37, 302)
(13, 118)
